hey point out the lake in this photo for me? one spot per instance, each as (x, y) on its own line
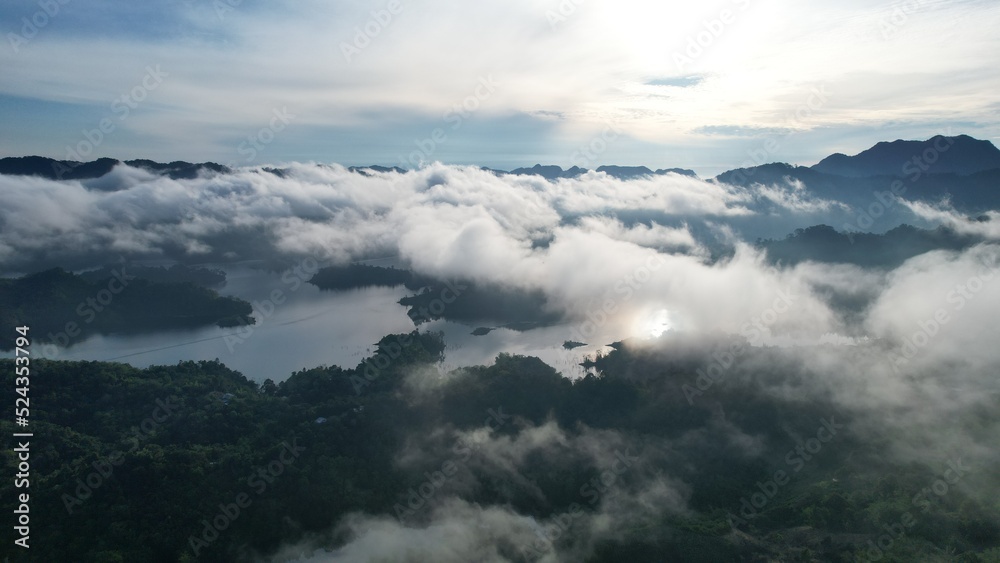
(299, 326)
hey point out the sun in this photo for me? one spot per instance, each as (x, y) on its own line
(654, 324)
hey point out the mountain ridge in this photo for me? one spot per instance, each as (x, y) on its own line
(960, 155)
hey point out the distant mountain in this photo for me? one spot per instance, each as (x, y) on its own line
(773, 173)
(681, 171)
(972, 193)
(56, 169)
(962, 169)
(72, 170)
(961, 155)
(628, 172)
(279, 172)
(367, 170)
(179, 169)
(550, 172)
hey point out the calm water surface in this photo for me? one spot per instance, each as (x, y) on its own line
(306, 327)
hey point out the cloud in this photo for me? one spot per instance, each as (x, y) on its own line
(591, 68)
(638, 247)
(743, 131)
(578, 241)
(651, 236)
(452, 529)
(960, 288)
(459, 532)
(987, 225)
(590, 244)
(795, 196)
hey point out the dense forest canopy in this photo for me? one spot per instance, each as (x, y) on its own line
(624, 464)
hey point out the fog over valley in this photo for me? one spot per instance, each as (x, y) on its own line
(692, 290)
(524, 282)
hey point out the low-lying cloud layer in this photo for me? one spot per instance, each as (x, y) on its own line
(907, 354)
(647, 240)
(333, 213)
(601, 249)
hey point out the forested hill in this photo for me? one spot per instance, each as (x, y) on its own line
(643, 461)
(822, 243)
(64, 308)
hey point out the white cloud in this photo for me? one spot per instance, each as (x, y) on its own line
(594, 67)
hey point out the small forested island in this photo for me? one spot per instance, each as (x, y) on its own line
(454, 300)
(62, 308)
(823, 243)
(356, 276)
(468, 302)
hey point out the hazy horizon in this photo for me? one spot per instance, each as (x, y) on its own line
(698, 87)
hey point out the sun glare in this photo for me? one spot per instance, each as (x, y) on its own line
(654, 324)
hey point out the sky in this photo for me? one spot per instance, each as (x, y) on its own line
(708, 86)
